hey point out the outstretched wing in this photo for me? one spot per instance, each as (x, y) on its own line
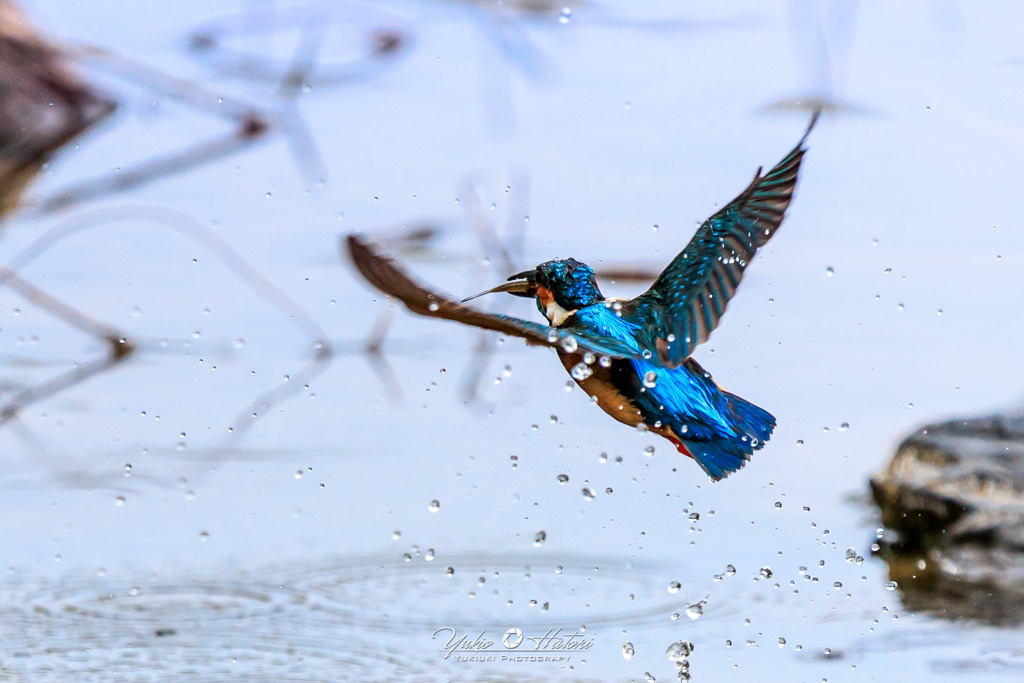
(684, 304)
(381, 272)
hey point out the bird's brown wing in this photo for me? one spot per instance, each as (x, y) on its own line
(381, 272)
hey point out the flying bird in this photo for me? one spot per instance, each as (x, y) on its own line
(633, 356)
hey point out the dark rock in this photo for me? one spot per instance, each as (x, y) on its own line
(952, 502)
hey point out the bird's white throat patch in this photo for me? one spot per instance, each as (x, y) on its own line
(556, 314)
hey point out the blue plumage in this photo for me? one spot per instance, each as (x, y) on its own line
(718, 429)
(633, 356)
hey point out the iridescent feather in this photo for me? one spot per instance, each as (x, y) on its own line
(688, 299)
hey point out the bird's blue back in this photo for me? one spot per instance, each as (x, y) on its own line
(690, 403)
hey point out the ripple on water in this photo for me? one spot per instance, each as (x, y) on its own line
(199, 630)
(1005, 658)
(486, 590)
(359, 615)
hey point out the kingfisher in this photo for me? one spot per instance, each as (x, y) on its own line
(633, 356)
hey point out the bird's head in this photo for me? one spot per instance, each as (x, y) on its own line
(560, 287)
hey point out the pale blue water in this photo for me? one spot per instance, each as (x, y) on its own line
(598, 128)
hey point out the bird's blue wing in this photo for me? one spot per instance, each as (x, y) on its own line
(381, 272)
(685, 303)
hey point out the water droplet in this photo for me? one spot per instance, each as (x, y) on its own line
(580, 372)
(843, 427)
(679, 650)
(604, 362)
(569, 344)
(651, 379)
(563, 479)
(675, 587)
(128, 469)
(891, 585)
(539, 538)
(695, 611)
(395, 535)
(830, 271)
(429, 556)
(939, 312)
(565, 15)
(694, 517)
(588, 493)
(433, 306)
(627, 650)
(766, 572)
(435, 505)
(204, 536)
(119, 501)
(649, 451)
(778, 505)
(782, 642)
(730, 570)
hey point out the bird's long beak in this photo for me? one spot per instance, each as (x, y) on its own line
(521, 284)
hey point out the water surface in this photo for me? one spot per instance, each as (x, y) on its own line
(278, 518)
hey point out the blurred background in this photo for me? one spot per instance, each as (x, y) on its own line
(226, 457)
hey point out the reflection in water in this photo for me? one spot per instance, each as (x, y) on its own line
(950, 500)
(929, 582)
(43, 106)
(324, 618)
(250, 123)
(377, 42)
(321, 351)
(822, 36)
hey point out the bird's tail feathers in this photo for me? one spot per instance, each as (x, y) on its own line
(720, 457)
(756, 423)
